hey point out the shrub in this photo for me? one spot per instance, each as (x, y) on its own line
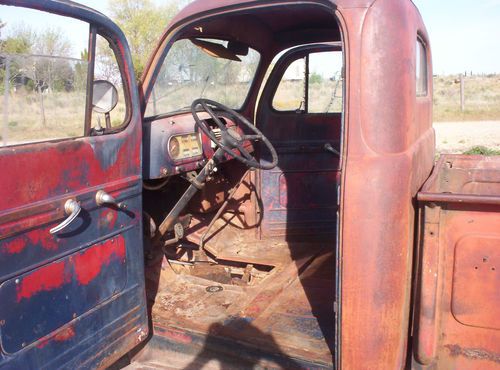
(482, 150)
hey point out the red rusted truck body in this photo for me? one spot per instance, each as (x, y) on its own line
(328, 238)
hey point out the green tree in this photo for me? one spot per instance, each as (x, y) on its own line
(315, 78)
(53, 42)
(143, 22)
(23, 40)
(55, 72)
(20, 40)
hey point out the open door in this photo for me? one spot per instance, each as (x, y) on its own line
(457, 325)
(71, 250)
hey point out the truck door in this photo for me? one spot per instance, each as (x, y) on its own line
(71, 258)
(300, 111)
(457, 317)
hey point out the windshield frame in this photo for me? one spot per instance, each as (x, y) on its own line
(158, 59)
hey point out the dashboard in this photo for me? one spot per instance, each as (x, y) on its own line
(174, 145)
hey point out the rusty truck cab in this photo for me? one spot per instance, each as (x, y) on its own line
(252, 201)
(312, 258)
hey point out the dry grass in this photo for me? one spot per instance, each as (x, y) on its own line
(324, 96)
(64, 111)
(64, 114)
(481, 150)
(178, 96)
(482, 98)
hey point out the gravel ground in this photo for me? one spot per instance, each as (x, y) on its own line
(457, 137)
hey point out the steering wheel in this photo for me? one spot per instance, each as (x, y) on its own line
(231, 139)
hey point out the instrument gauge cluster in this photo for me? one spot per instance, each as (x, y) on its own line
(184, 146)
(173, 145)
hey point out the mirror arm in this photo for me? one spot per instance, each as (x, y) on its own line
(108, 120)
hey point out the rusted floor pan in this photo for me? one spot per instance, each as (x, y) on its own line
(286, 319)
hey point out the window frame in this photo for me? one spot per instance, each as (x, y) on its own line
(119, 57)
(422, 66)
(284, 67)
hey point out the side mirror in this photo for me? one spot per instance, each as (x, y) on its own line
(105, 96)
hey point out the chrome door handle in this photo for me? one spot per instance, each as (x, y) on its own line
(102, 198)
(72, 209)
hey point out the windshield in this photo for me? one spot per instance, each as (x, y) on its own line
(190, 72)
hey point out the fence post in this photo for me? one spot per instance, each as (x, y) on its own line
(462, 93)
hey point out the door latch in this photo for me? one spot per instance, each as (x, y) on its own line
(102, 198)
(329, 148)
(72, 209)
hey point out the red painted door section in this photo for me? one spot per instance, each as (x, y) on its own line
(73, 295)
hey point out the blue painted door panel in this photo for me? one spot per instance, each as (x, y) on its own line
(74, 299)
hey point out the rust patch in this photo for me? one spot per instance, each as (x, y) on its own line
(87, 267)
(15, 246)
(43, 239)
(48, 278)
(65, 334)
(472, 353)
(108, 218)
(60, 336)
(260, 303)
(175, 335)
(89, 264)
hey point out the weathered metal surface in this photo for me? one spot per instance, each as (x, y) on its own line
(287, 313)
(389, 153)
(457, 316)
(40, 301)
(74, 299)
(192, 351)
(299, 196)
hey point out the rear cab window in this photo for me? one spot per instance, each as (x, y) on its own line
(312, 84)
(421, 69)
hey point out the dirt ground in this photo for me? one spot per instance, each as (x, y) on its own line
(458, 137)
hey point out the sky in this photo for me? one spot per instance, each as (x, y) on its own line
(464, 34)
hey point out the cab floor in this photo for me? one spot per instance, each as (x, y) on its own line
(286, 319)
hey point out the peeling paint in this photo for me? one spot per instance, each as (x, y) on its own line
(60, 336)
(176, 336)
(89, 264)
(106, 151)
(108, 218)
(473, 353)
(43, 239)
(50, 277)
(15, 246)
